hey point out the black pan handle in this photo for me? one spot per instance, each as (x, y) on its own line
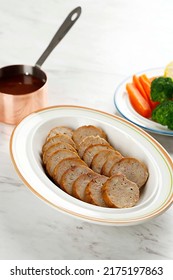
(62, 31)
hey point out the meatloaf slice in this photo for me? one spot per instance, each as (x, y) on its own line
(135, 170)
(64, 165)
(99, 159)
(88, 141)
(78, 189)
(71, 175)
(92, 150)
(60, 130)
(56, 157)
(58, 139)
(59, 146)
(119, 192)
(113, 157)
(87, 130)
(93, 191)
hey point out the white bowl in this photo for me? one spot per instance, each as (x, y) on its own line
(26, 144)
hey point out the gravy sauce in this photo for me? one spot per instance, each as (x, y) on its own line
(20, 84)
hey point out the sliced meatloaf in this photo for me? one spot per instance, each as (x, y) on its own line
(93, 191)
(55, 147)
(99, 159)
(60, 130)
(88, 141)
(64, 165)
(58, 139)
(113, 157)
(92, 150)
(71, 175)
(135, 170)
(87, 130)
(119, 192)
(56, 157)
(80, 184)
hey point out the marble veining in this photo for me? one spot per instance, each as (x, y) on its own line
(111, 40)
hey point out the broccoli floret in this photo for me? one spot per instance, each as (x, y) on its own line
(163, 114)
(162, 89)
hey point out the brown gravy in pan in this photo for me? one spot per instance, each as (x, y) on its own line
(20, 84)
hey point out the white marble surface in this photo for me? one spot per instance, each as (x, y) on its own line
(110, 41)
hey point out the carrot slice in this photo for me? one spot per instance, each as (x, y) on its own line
(139, 86)
(138, 101)
(146, 83)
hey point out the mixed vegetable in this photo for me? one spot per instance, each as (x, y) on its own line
(152, 98)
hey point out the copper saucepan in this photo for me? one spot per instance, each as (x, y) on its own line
(23, 88)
